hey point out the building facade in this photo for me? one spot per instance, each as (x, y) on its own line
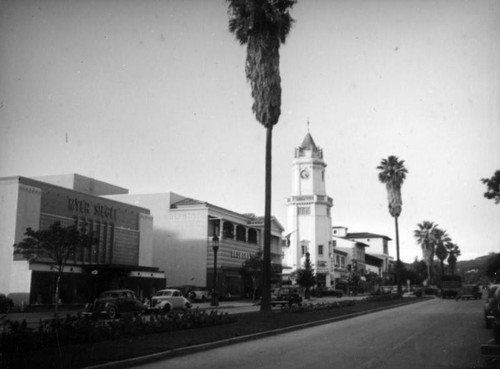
(122, 257)
(376, 260)
(379, 248)
(183, 234)
(308, 214)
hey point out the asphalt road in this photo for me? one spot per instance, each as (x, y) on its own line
(433, 334)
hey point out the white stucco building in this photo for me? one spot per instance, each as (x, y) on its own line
(363, 245)
(183, 231)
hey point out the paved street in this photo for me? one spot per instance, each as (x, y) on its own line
(433, 334)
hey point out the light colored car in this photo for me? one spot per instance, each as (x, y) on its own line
(168, 300)
(199, 294)
(491, 304)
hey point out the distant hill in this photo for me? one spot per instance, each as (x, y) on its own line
(474, 269)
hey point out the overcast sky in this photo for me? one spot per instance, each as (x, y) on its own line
(151, 96)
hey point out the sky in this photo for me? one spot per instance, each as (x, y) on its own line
(151, 95)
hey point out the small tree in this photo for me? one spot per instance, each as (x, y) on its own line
(306, 277)
(253, 268)
(493, 184)
(54, 245)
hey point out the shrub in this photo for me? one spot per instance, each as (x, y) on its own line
(17, 338)
(308, 307)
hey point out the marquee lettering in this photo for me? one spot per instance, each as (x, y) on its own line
(83, 207)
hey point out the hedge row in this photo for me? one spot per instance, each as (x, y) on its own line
(16, 337)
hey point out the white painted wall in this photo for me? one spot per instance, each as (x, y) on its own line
(19, 209)
(145, 239)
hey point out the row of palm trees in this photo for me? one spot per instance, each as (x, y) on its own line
(433, 240)
(436, 242)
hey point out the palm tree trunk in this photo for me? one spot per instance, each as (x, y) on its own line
(266, 269)
(398, 268)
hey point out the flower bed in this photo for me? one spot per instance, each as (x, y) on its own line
(16, 339)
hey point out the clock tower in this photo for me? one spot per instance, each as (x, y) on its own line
(309, 220)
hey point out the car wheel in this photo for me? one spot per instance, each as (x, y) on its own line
(112, 312)
(166, 309)
(203, 299)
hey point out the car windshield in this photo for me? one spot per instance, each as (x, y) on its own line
(109, 294)
(165, 293)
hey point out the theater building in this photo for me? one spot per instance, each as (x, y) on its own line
(183, 242)
(122, 257)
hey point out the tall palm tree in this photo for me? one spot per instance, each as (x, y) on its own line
(263, 25)
(442, 239)
(393, 174)
(425, 238)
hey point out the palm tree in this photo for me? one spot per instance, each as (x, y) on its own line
(425, 238)
(263, 25)
(453, 251)
(393, 174)
(442, 239)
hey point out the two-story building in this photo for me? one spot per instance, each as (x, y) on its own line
(183, 234)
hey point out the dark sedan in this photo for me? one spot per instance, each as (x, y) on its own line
(115, 302)
(328, 291)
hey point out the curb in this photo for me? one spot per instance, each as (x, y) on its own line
(127, 363)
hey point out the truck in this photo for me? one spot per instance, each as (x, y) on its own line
(450, 286)
(286, 295)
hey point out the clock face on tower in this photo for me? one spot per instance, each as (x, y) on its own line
(304, 174)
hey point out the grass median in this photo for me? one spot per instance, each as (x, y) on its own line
(162, 345)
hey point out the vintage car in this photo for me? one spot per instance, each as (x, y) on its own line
(328, 291)
(112, 303)
(286, 295)
(168, 300)
(6, 304)
(199, 294)
(471, 291)
(491, 304)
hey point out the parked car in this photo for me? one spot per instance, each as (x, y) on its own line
(112, 303)
(386, 290)
(286, 295)
(6, 304)
(471, 291)
(491, 304)
(199, 294)
(168, 300)
(328, 291)
(185, 289)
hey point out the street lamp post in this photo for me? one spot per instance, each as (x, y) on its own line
(215, 247)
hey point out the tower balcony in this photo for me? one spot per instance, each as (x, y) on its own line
(309, 199)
